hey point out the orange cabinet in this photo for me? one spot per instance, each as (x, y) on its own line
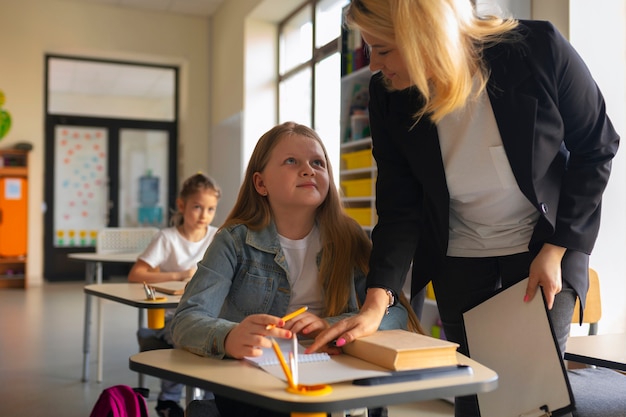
(13, 217)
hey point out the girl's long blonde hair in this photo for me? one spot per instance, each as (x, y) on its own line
(441, 42)
(345, 246)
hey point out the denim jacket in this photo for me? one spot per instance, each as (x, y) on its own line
(244, 272)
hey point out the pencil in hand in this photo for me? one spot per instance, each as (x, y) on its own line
(289, 316)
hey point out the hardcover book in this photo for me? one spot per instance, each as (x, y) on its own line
(403, 350)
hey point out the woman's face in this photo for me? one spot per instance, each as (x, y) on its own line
(385, 57)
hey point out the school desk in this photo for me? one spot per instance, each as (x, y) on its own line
(604, 350)
(131, 294)
(241, 380)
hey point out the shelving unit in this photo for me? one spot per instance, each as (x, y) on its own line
(13, 217)
(358, 170)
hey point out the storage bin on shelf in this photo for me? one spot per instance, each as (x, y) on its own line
(363, 215)
(357, 188)
(358, 159)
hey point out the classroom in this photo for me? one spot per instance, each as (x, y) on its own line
(228, 95)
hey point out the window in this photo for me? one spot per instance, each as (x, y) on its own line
(309, 70)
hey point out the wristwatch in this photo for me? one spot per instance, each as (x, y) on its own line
(392, 300)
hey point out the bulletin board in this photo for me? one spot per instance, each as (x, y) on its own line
(80, 185)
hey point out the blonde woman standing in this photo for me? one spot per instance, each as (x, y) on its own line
(493, 150)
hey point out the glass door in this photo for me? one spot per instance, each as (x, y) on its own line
(111, 152)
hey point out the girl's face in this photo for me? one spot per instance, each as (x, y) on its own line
(296, 175)
(385, 57)
(198, 209)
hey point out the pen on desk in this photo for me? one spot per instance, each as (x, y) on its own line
(283, 364)
(294, 369)
(289, 316)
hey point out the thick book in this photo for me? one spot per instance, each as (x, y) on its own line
(400, 350)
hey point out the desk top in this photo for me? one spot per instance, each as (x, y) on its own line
(605, 350)
(131, 294)
(241, 380)
(104, 257)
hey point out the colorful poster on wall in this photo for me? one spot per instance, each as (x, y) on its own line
(80, 185)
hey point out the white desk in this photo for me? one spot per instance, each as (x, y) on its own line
(245, 382)
(604, 350)
(93, 273)
(131, 294)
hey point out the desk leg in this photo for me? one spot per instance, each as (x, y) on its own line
(90, 272)
(99, 309)
(139, 326)
(100, 337)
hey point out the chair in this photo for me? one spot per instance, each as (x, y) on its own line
(593, 307)
(124, 240)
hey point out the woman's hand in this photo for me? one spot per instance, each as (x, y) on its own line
(249, 336)
(363, 324)
(545, 271)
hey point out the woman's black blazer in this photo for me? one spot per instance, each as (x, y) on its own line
(557, 137)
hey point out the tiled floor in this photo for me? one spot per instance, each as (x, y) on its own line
(41, 354)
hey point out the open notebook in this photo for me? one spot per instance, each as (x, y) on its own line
(317, 368)
(516, 340)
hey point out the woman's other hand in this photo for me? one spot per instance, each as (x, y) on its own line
(545, 272)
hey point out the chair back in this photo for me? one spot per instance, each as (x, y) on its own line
(593, 306)
(124, 240)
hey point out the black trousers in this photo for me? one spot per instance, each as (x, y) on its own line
(466, 282)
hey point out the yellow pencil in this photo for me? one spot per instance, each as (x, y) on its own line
(289, 316)
(283, 364)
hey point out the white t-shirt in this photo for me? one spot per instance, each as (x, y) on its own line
(171, 252)
(489, 215)
(302, 263)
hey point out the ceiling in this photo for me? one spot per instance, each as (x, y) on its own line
(204, 8)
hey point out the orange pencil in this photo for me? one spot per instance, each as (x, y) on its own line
(289, 316)
(283, 364)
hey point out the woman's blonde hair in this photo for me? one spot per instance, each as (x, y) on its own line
(345, 245)
(441, 42)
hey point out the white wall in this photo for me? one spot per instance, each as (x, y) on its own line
(32, 28)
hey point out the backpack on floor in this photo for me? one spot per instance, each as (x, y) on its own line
(120, 401)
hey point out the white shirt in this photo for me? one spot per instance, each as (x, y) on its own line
(301, 260)
(489, 215)
(171, 252)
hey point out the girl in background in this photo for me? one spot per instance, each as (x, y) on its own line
(172, 255)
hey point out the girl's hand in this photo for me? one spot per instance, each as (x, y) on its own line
(545, 271)
(249, 336)
(187, 274)
(307, 324)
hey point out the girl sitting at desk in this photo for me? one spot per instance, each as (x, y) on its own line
(287, 243)
(172, 255)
